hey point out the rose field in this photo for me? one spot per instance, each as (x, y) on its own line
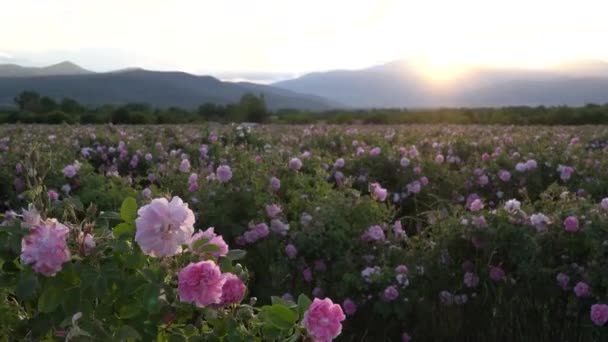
(303, 233)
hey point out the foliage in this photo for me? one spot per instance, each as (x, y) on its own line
(443, 232)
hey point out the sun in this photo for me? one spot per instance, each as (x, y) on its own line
(440, 70)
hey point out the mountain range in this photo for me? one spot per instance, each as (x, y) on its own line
(394, 84)
(402, 84)
(157, 88)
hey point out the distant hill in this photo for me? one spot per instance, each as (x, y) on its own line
(162, 89)
(63, 68)
(401, 84)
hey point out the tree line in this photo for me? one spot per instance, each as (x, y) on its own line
(32, 107)
(35, 108)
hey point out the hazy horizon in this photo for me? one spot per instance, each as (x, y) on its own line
(285, 37)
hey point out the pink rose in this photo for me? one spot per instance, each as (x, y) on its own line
(599, 314)
(571, 224)
(349, 306)
(233, 290)
(163, 227)
(323, 320)
(201, 283)
(45, 248)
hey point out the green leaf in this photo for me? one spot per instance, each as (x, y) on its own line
(127, 332)
(198, 243)
(26, 286)
(150, 296)
(271, 332)
(50, 299)
(303, 304)
(279, 315)
(109, 215)
(129, 311)
(280, 301)
(225, 265)
(128, 209)
(236, 254)
(123, 229)
(210, 248)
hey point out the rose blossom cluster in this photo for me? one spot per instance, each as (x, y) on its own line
(163, 227)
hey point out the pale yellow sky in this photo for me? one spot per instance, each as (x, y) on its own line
(301, 36)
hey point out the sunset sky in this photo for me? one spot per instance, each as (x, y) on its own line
(301, 36)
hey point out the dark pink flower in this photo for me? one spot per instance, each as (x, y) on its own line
(323, 320)
(201, 283)
(599, 314)
(233, 290)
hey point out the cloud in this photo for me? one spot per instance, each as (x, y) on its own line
(5, 57)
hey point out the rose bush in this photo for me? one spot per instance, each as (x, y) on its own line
(417, 232)
(148, 278)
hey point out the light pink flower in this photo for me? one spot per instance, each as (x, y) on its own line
(212, 239)
(233, 290)
(278, 227)
(45, 248)
(512, 206)
(200, 283)
(261, 230)
(414, 187)
(531, 164)
(339, 163)
(539, 221)
(323, 320)
(70, 171)
(31, 217)
(398, 230)
(565, 172)
(476, 205)
(375, 151)
(604, 204)
(504, 175)
(379, 192)
(375, 233)
(275, 184)
(223, 173)
(291, 251)
(184, 166)
(193, 187)
(402, 269)
(87, 241)
(163, 227)
(53, 195)
(273, 210)
(295, 164)
(147, 193)
(391, 293)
